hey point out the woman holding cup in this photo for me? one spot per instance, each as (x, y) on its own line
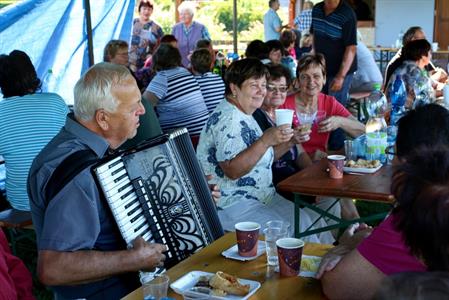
(328, 113)
(268, 115)
(234, 149)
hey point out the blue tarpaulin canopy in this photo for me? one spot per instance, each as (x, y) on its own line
(54, 35)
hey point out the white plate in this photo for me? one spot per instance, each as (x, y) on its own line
(233, 252)
(362, 170)
(186, 282)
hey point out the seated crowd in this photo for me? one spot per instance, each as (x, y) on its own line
(232, 124)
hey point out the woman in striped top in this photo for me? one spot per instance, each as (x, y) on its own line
(211, 85)
(28, 121)
(175, 93)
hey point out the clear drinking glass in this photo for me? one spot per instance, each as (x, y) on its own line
(306, 120)
(273, 231)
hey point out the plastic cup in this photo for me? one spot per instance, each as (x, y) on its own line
(306, 118)
(349, 149)
(446, 95)
(335, 164)
(289, 253)
(155, 288)
(247, 238)
(320, 116)
(434, 46)
(272, 234)
(278, 224)
(283, 116)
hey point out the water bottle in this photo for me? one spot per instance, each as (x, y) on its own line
(392, 132)
(376, 103)
(376, 138)
(398, 96)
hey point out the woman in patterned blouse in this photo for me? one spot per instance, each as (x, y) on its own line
(146, 34)
(239, 155)
(415, 57)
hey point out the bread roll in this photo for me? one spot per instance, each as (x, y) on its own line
(229, 284)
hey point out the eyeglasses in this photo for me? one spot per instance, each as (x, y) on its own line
(390, 150)
(280, 89)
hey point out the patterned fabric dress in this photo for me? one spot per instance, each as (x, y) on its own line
(143, 40)
(417, 83)
(227, 133)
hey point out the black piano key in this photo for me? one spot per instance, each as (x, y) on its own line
(136, 217)
(124, 187)
(131, 212)
(117, 171)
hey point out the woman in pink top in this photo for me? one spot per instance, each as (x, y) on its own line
(414, 237)
(330, 114)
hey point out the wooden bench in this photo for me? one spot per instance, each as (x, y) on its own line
(18, 226)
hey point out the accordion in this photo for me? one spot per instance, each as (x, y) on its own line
(158, 191)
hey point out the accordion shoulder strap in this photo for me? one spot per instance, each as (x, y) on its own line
(71, 166)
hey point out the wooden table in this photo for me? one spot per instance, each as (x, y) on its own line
(315, 181)
(273, 286)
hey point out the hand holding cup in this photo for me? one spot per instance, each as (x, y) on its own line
(276, 135)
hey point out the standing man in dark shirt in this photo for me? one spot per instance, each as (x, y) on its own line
(334, 28)
(81, 252)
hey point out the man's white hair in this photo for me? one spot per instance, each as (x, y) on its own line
(93, 90)
(187, 6)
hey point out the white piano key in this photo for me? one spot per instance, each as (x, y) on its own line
(142, 230)
(148, 237)
(131, 205)
(110, 179)
(106, 167)
(128, 227)
(122, 202)
(113, 187)
(132, 234)
(115, 195)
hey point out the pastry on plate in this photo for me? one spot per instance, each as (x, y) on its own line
(229, 284)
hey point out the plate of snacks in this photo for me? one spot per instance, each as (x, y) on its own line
(217, 286)
(362, 166)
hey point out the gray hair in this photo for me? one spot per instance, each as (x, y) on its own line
(93, 90)
(186, 6)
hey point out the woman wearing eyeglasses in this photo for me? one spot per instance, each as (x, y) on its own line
(294, 157)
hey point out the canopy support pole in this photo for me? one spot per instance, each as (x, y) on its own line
(90, 46)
